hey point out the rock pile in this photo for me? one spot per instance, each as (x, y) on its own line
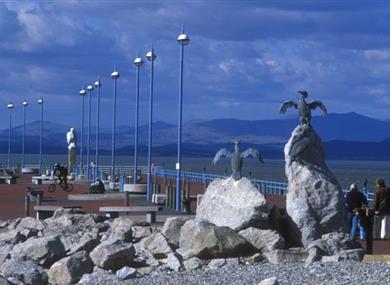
(73, 246)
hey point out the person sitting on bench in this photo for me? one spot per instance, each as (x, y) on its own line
(97, 187)
(61, 173)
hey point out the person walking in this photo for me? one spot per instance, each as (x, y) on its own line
(355, 200)
(382, 205)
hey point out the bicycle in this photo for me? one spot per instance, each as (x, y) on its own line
(53, 186)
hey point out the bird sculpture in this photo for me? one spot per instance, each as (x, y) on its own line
(237, 158)
(304, 108)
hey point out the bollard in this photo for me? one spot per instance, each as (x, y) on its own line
(39, 199)
(369, 232)
(27, 205)
(127, 200)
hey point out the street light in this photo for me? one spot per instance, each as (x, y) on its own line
(89, 88)
(150, 56)
(114, 75)
(10, 106)
(138, 63)
(40, 102)
(82, 94)
(98, 85)
(25, 104)
(183, 40)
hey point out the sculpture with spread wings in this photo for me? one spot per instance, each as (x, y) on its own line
(304, 108)
(237, 158)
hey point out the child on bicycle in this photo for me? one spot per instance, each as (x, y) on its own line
(61, 173)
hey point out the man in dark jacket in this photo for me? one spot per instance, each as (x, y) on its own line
(354, 200)
(382, 204)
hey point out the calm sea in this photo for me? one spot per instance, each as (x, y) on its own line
(346, 171)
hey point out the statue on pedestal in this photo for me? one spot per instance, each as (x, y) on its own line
(71, 138)
(237, 158)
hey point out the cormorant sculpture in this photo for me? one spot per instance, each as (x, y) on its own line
(237, 158)
(304, 108)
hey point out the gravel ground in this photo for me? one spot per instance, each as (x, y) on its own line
(292, 273)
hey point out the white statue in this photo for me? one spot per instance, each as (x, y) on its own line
(71, 138)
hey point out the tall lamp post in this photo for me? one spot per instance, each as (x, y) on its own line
(114, 75)
(40, 102)
(98, 85)
(10, 107)
(150, 56)
(138, 63)
(82, 94)
(89, 88)
(25, 104)
(183, 40)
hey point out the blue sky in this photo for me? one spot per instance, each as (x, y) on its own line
(244, 58)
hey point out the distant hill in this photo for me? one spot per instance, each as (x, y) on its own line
(348, 135)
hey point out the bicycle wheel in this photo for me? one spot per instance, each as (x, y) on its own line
(52, 187)
(69, 188)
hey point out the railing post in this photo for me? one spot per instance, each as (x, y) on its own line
(27, 205)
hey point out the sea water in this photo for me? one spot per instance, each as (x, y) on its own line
(273, 169)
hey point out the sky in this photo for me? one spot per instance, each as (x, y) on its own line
(244, 57)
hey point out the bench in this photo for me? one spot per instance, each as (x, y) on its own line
(104, 197)
(42, 179)
(113, 211)
(44, 212)
(7, 179)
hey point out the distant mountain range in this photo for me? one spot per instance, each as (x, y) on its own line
(346, 136)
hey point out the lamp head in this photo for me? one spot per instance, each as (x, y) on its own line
(98, 84)
(115, 74)
(90, 87)
(25, 103)
(10, 106)
(82, 92)
(40, 101)
(138, 61)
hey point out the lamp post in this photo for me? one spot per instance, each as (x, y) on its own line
(150, 56)
(10, 107)
(40, 102)
(138, 63)
(25, 104)
(82, 94)
(98, 85)
(114, 75)
(89, 88)
(183, 40)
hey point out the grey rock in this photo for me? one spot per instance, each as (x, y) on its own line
(145, 270)
(332, 258)
(234, 204)
(314, 255)
(314, 200)
(24, 271)
(171, 229)
(193, 264)
(43, 250)
(126, 273)
(30, 223)
(337, 241)
(216, 263)
(121, 228)
(263, 240)
(143, 258)
(205, 240)
(270, 281)
(112, 254)
(4, 281)
(12, 237)
(70, 269)
(99, 277)
(284, 256)
(175, 262)
(140, 232)
(255, 258)
(352, 254)
(87, 242)
(157, 245)
(233, 261)
(4, 252)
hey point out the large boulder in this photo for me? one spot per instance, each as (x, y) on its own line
(113, 254)
(315, 200)
(206, 240)
(25, 271)
(70, 269)
(233, 204)
(121, 228)
(43, 250)
(263, 240)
